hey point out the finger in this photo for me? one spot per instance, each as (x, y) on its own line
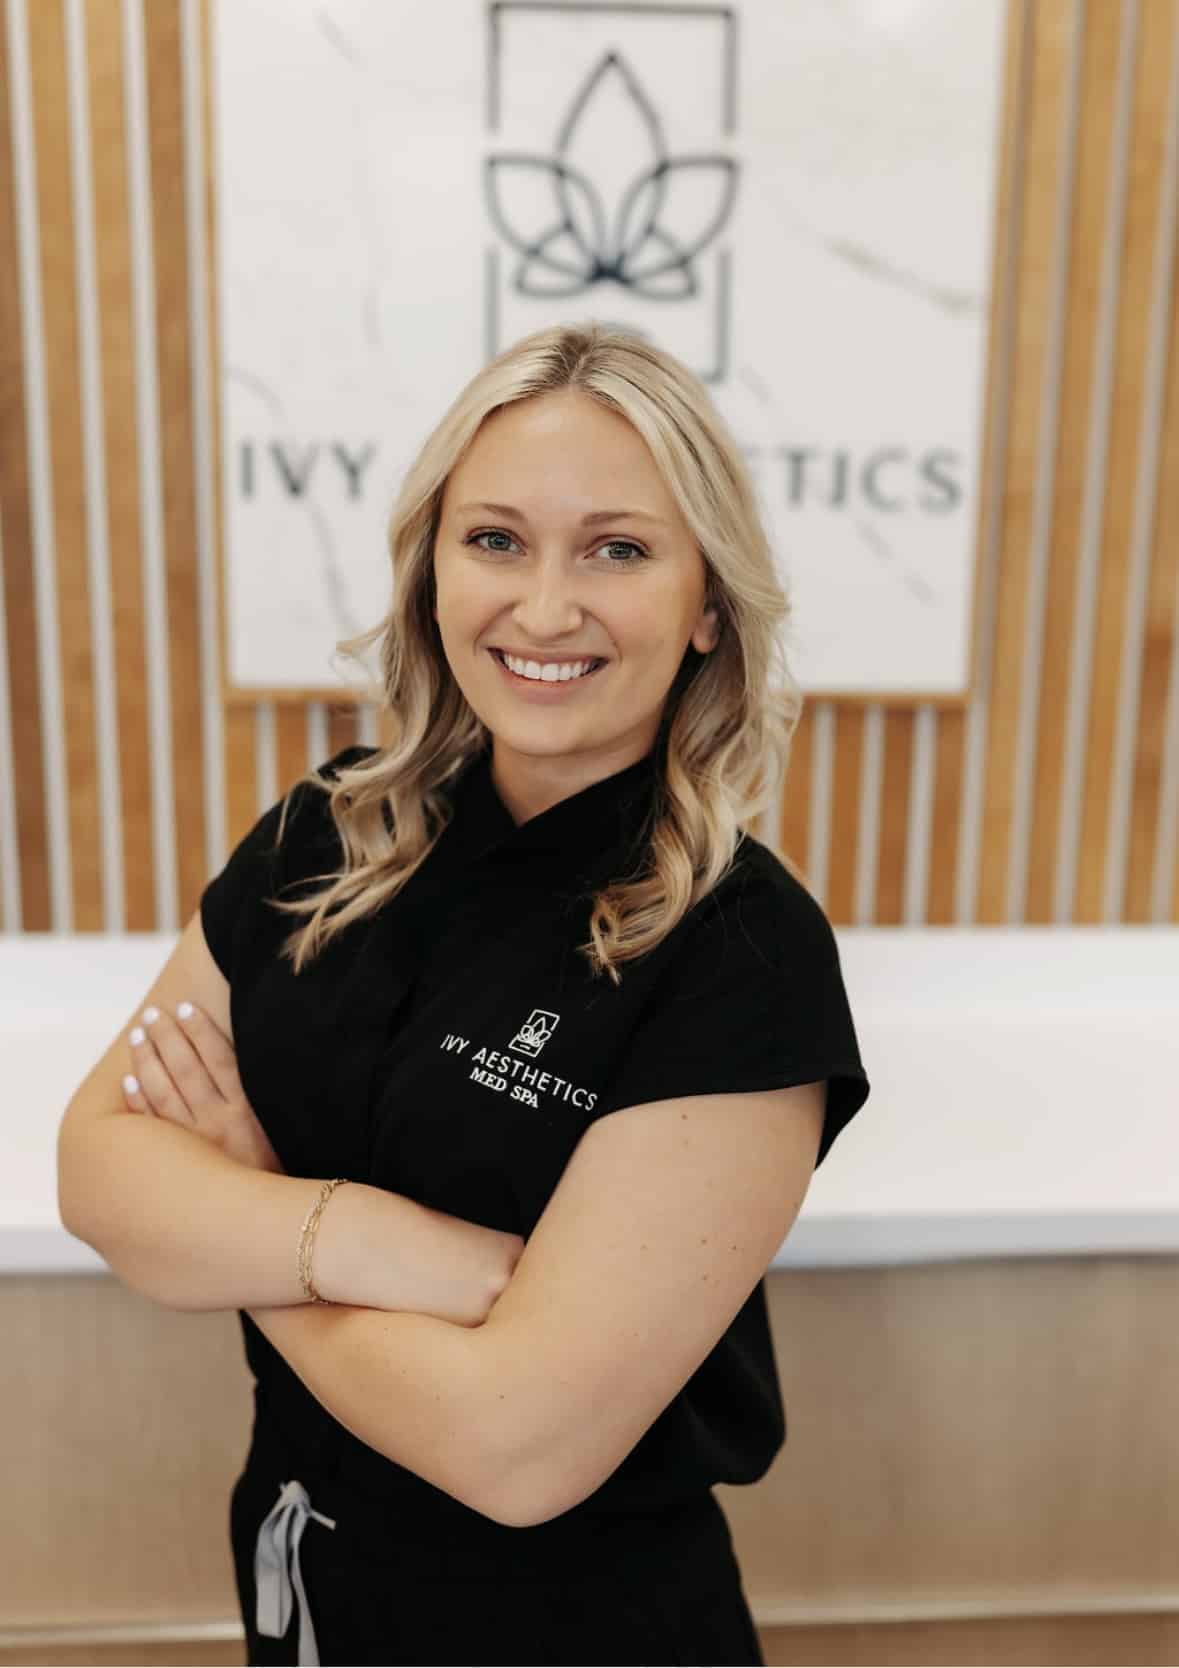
(154, 1079)
(214, 1047)
(134, 1096)
(185, 1068)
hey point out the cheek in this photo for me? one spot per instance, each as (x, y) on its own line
(646, 636)
(461, 595)
(451, 606)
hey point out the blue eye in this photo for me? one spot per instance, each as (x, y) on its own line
(639, 554)
(493, 534)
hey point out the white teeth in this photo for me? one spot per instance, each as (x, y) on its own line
(549, 673)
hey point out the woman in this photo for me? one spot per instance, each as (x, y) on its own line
(544, 983)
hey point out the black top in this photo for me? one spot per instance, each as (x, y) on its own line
(455, 1047)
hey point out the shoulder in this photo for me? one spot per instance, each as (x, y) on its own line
(748, 997)
(293, 840)
(759, 910)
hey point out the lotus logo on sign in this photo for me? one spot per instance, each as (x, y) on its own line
(614, 198)
(633, 240)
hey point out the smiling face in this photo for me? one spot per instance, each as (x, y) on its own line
(519, 568)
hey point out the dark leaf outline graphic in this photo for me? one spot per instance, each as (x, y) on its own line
(639, 251)
(659, 179)
(544, 251)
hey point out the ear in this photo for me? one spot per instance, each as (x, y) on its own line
(707, 629)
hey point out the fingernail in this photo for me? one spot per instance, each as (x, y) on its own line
(131, 1084)
(149, 1014)
(137, 1036)
(184, 1011)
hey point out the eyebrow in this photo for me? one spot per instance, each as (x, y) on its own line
(590, 520)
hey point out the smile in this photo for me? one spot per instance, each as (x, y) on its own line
(547, 680)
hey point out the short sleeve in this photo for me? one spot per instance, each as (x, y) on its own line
(252, 874)
(753, 999)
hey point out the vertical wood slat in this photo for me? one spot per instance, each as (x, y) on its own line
(291, 736)
(20, 587)
(892, 849)
(846, 821)
(1053, 26)
(949, 750)
(950, 731)
(1158, 667)
(1152, 88)
(1072, 483)
(176, 439)
(1088, 561)
(59, 311)
(793, 839)
(1154, 541)
(107, 141)
(238, 763)
(342, 726)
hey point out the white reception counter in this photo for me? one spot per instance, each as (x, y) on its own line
(1025, 1092)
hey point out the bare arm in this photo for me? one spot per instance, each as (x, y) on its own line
(661, 1226)
(190, 1227)
(428, 1395)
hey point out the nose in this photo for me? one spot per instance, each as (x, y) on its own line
(548, 605)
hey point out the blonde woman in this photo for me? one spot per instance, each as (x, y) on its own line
(573, 1040)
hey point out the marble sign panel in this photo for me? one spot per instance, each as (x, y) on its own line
(797, 200)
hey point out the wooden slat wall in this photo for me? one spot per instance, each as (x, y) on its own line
(1052, 796)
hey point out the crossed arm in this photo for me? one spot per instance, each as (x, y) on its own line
(664, 1220)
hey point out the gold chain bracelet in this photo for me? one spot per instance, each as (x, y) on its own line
(307, 1235)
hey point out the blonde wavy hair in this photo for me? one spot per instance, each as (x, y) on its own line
(725, 734)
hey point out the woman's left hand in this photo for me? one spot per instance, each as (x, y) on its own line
(187, 1073)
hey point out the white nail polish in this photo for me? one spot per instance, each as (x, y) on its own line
(131, 1084)
(137, 1036)
(184, 1011)
(150, 1014)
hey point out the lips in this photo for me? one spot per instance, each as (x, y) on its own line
(547, 684)
(566, 660)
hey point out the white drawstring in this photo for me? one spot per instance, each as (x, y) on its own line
(278, 1546)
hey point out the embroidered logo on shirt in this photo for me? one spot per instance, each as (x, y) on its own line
(500, 1072)
(535, 1032)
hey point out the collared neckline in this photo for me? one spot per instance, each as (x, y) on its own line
(599, 823)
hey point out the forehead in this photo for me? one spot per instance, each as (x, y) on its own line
(560, 454)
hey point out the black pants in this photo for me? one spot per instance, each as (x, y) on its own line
(460, 1589)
